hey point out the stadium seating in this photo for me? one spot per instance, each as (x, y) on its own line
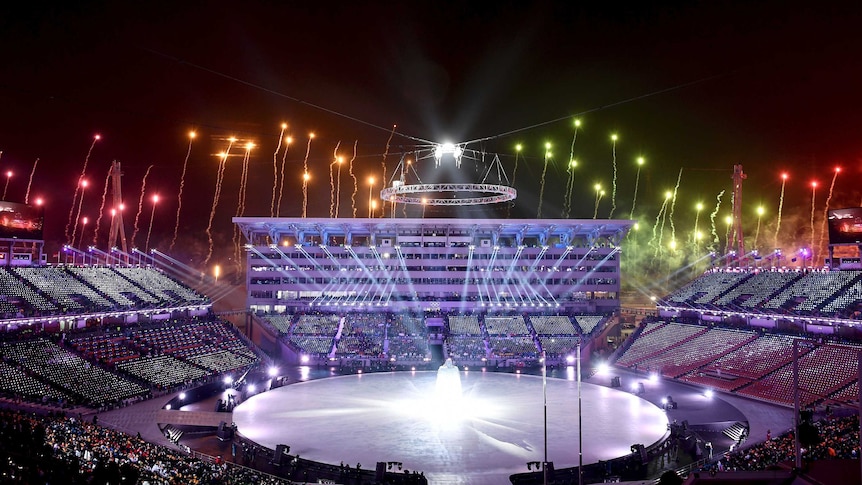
(506, 325)
(408, 339)
(792, 292)
(69, 372)
(658, 340)
(162, 371)
(822, 371)
(19, 384)
(316, 325)
(18, 295)
(756, 358)
(588, 323)
(466, 348)
(161, 286)
(552, 325)
(280, 322)
(120, 290)
(39, 449)
(555, 346)
(464, 325)
(64, 289)
(756, 290)
(692, 353)
(104, 348)
(320, 346)
(707, 288)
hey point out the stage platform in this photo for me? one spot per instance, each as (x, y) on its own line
(490, 433)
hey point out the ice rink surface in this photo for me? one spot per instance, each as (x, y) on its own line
(481, 438)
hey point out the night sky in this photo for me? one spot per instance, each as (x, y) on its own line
(694, 85)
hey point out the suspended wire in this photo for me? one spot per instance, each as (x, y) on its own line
(599, 108)
(282, 95)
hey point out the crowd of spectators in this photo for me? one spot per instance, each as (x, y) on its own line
(61, 290)
(56, 449)
(102, 367)
(838, 438)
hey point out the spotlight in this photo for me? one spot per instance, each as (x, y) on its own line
(251, 388)
(708, 393)
(273, 371)
(228, 380)
(653, 377)
(570, 359)
(602, 368)
(182, 396)
(304, 359)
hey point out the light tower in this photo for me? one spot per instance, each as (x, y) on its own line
(735, 241)
(117, 227)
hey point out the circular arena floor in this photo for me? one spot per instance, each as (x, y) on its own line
(491, 432)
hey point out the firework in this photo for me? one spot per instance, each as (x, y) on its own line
(614, 183)
(240, 205)
(332, 196)
(813, 199)
(570, 171)
(712, 216)
(544, 172)
(30, 182)
(287, 142)
(78, 186)
(140, 204)
(6, 187)
(338, 186)
(180, 193)
(216, 196)
(383, 163)
(306, 177)
(518, 148)
(640, 162)
(275, 169)
(150, 229)
(662, 214)
(673, 205)
(84, 221)
(355, 180)
(696, 235)
(101, 209)
(826, 211)
(760, 212)
(78, 216)
(599, 191)
(370, 200)
(780, 207)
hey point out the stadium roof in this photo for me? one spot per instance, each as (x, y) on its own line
(590, 230)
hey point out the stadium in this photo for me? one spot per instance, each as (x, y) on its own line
(333, 370)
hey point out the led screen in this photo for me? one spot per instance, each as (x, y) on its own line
(845, 226)
(20, 221)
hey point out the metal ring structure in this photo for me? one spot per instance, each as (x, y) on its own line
(411, 194)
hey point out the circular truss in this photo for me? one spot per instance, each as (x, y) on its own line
(461, 194)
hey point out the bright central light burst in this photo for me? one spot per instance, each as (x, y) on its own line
(447, 148)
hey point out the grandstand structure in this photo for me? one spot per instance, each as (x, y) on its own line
(737, 330)
(450, 265)
(823, 301)
(66, 296)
